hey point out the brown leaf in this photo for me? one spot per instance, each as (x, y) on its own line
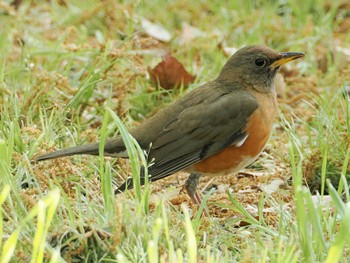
(170, 73)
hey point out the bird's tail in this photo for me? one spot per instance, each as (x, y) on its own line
(129, 184)
(91, 149)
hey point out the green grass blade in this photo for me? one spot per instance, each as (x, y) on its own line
(190, 237)
(106, 178)
(9, 247)
(4, 194)
(137, 159)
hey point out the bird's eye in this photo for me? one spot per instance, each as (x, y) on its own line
(260, 62)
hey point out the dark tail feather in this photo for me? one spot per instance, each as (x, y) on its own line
(91, 149)
(128, 184)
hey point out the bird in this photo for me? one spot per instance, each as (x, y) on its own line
(218, 128)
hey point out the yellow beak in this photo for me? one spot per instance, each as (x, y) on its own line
(286, 57)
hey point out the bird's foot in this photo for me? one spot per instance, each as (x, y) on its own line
(190, 187)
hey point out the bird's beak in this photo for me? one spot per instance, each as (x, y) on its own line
(285, 57)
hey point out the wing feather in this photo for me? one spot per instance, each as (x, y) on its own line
(199, 132)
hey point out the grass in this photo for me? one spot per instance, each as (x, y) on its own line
(73, 72)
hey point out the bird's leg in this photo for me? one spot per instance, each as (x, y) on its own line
(191, 188)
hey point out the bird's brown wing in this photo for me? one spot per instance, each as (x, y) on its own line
(199, 132)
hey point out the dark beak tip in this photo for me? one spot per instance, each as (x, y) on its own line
(293, 55)
(300, 55)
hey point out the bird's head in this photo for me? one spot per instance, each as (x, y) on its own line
(255, 66)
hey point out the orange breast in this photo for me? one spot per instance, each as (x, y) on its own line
(234, 158)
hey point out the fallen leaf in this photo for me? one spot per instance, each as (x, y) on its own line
(228, 51)
(170, 73)
(189, 33)
(155, 31)
(325, 202)
(272, 187)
